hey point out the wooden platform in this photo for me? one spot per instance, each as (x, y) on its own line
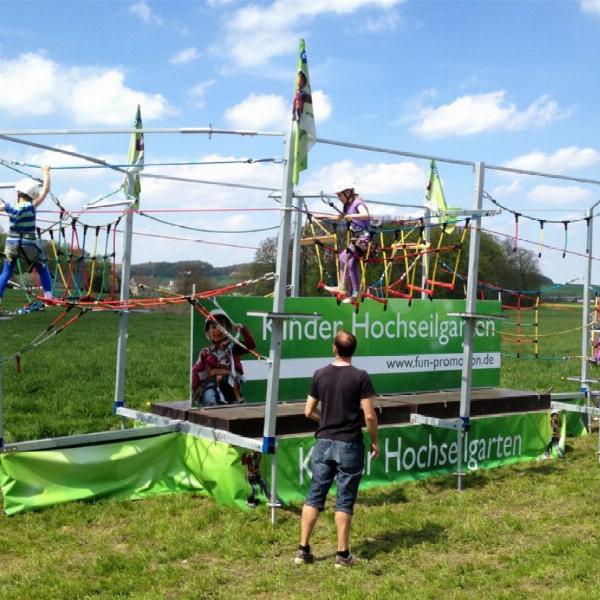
(247, 419)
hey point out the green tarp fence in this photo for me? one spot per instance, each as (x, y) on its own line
(178, 462)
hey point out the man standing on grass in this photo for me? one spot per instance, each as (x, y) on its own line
(345, 393)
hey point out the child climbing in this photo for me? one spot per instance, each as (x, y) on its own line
(354, 211)
(21, 240)
(218, 375)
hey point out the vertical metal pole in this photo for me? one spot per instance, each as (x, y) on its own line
(425, 259)
(472, 274)
(192, 311)
(123, 314)
(283, 244)
(585, 335)
(296, 248)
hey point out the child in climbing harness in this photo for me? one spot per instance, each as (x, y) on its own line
(218, 375)
(21, 240)
(354, 211)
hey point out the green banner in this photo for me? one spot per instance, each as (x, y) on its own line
(176, 462)
(418, 451)
(406, 348)
(163, 464)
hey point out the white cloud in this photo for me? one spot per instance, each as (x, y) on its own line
(590, 6)
(263, 111)
(162, 194)
(259, 111)
(104, 98)
(33, 84)
(509, 189)
(387, 21)
(73, 198)
(28, 85)
(473, 114)
(549, 194)
(198, 92)
(369, 178)
(237, 221)
(561, 161)
(256, 34)
(321, 106)
(185, 56)
(143, 12)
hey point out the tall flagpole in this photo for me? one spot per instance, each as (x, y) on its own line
(131, 186)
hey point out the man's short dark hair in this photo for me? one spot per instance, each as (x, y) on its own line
(345, 343)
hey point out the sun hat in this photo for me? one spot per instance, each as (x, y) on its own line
(28, 187)
(343, 184)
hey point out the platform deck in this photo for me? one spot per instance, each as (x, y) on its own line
(247, 419)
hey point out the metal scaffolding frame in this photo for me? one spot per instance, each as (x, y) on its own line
(268, 443)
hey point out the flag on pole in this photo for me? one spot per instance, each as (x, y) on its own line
(303, 116)
(131, 185)
(436, 201)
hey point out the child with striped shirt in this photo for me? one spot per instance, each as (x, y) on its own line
(21, 240)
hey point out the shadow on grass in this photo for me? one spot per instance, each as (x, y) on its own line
(391, 494)
(393, 540)
(400, 538)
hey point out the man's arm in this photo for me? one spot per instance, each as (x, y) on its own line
(371, 422)
(45, 186)
(310, 409)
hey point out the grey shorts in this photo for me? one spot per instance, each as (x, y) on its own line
(28, 250)
(342, 461)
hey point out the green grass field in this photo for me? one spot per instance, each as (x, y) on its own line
(515, 532)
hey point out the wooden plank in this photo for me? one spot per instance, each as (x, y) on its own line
(248, 419)
(321, 239)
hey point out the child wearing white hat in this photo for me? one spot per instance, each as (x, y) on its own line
(21, 240)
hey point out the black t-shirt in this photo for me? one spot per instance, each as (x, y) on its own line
(340, 390)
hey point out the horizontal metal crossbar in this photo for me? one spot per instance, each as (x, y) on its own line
(88, 439)
(482, 316)
(217, 435)
(209, 433)
(566, 396)
(583, 380)
(577, 408)
(284, 315)
(454, 424)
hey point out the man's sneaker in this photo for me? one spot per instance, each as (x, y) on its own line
(340, 561)
(303, 557)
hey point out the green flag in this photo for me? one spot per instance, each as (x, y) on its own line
(436, 201)
(303, 116)
(131, 185)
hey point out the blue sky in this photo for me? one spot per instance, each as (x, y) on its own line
(507, 83)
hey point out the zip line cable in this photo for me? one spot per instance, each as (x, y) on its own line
(247, 161)
(144, 214)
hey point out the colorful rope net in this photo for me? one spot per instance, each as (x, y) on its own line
(391, 260)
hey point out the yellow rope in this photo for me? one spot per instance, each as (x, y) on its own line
(437, 258)
(54, 251)
(513, 335)
(93, 266)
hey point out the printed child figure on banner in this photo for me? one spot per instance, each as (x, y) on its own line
(555, 440)
(302, 95)
(251, 460)
(218, 375)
